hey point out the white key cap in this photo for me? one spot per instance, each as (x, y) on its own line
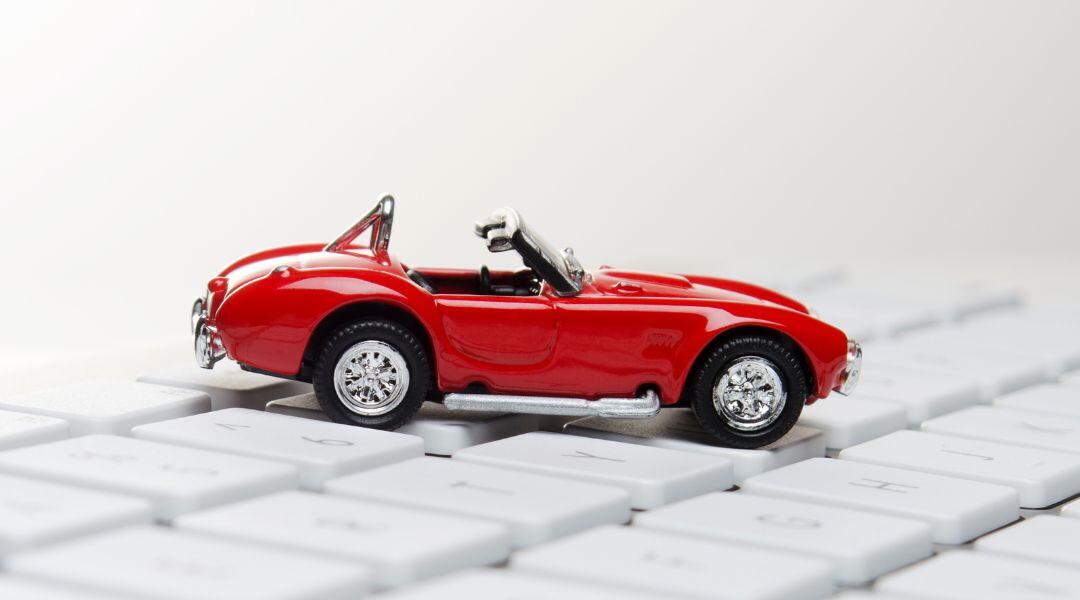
(321, 451)
(175, 480)
(1040, 477)
(860, 545)
(1071, 509)
(443, 431)
(995, 371)
(653, 476)
(228, 385)
(23, 429)
(1044, 538)
(846, 421)
(1014, 332)
(401, 545)
(36, 512)
(155, 562)
(924, 394)
(1048, 398)
(536, 508)
(662, 563)
(956, 509)
(17, 588)
(847, 304)
(110, 406)
(677, 429)
(506, 584)
(1071, 378)
(1010, 426)
(964, 575)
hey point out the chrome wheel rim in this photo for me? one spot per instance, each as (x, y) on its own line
(749, 395)
(371, 378)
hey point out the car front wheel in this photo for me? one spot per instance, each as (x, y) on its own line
(372, 373)
(749, 391)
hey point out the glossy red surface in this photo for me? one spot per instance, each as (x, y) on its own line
(625, 330)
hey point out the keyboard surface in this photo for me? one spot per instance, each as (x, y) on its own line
(953, 471)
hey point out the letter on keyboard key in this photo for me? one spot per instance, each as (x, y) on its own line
(507, 584)
(1041, 477)
(678, 429)
(175, 480)
(1044, 538)
(963, 575)
(155, 562)
(110, 406)
(37, 512)
(1049, 398)
(228, 385)
(536, 508)
(1009, 426)
(23, 429)
(662, 563)
(956, 509)
(320, 450)
(924, 394)
(861, 545)
(653, 476)
(846, 421)
(401, 545)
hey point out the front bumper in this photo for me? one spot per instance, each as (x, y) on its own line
(208, 347)
(849, 377)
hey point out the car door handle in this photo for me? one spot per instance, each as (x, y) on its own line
(625, 287)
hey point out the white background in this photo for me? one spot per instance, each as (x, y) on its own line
(145, 145)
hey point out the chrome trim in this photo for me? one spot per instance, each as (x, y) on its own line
(642, 407)
(849, 377)
(208, 347)
(371, 378)
(197, 313)
(749, 395)
(381, 218)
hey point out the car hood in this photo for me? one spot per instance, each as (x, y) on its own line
(618, 282)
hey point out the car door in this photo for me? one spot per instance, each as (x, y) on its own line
(502, 342)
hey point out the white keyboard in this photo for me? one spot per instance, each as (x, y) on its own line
(952, 472)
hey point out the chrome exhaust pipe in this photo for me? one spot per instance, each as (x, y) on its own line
(642, 407)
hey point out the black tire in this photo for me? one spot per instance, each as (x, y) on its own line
(400, 339)
(791, 372)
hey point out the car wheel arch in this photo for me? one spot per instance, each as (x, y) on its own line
(355, 311)
(743, 331)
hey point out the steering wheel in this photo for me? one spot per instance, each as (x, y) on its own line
(485, 279)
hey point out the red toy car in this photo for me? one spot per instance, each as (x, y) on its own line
(377, 338)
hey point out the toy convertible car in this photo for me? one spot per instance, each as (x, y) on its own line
(377, 338)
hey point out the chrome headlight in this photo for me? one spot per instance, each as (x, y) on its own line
(849, 377)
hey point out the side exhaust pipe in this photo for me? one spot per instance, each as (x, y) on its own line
(642, 407)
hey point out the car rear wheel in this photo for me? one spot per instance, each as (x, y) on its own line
(749, 391)
(372, 373)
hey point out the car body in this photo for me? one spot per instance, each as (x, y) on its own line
(551, 329)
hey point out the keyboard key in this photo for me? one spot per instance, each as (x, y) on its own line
(36, 512)
(1047, 398)
(846, 421)
(996, 372)
(537, 508)
(678, 429)
(885, 316)
(982, 576)
(22, 429)
(505, 584)
(1040, 477)
(1071, 509)
(956, 509)
(17, 588)
(860, 545)
(110, 406)
(319, 450)
(1071, 378)
(657, 562)
(1010, 426)
(1018, 332)
(400, 545)
(227, 385)
(159, 563)
(175, 480)
(1044, 538)
(923, 394)
(653, 476)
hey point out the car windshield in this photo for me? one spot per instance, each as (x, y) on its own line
(506, 229)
